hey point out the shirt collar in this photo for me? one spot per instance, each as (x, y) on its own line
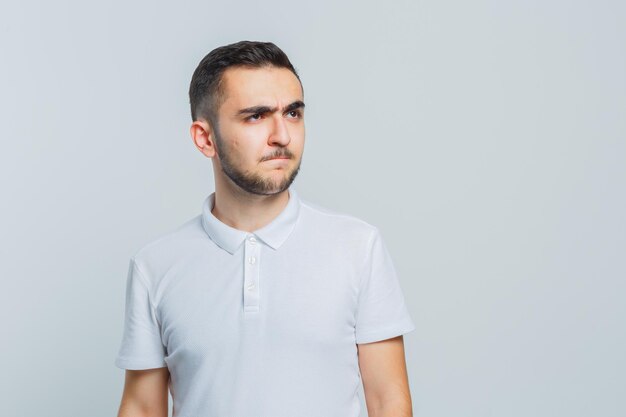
(273, 234)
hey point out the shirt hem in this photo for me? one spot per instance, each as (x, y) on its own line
(135, 364)
(377, 335)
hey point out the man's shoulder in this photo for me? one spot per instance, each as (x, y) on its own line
(175, 241)
(337, 220)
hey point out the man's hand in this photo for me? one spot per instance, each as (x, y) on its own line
(145, 393)
(385, 379)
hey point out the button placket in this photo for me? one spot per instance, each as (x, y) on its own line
(251, 274)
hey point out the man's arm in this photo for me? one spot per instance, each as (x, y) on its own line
(145, 393)
(385, 379)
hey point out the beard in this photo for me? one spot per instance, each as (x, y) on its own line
(249, 181)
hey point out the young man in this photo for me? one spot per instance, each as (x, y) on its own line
(263, 305)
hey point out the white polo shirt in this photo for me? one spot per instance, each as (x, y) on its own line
(262, 324)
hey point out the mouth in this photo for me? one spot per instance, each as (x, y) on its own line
(278, 162)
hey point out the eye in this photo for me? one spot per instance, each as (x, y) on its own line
(255, 116)
(295, 114)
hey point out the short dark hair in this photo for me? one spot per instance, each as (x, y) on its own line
(206, 92)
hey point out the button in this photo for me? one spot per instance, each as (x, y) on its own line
(252, 260)
(252, 240)
(250, 285)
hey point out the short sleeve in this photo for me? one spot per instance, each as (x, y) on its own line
(381, 312)
(141, 346)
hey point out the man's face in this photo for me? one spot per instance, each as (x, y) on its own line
(261, 118)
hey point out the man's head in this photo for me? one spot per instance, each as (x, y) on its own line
(247, 107)
(206, 91)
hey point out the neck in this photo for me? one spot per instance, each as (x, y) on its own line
(245, 211)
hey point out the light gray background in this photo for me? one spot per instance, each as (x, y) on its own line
(485, 139)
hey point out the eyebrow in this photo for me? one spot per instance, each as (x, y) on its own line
(298, 104)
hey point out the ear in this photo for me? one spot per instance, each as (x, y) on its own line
(203, 138)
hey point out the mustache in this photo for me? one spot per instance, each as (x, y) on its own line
(283, 154)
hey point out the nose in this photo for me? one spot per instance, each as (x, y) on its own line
(280, 133)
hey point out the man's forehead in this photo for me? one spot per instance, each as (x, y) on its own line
(247, 86)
